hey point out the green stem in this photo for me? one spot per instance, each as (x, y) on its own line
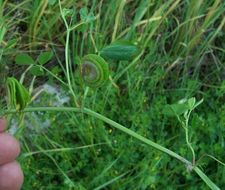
(127, 131)
(186, 127)
(110, 122)
(67, 67)
(206, 179)
(189, 145)
(67, 55)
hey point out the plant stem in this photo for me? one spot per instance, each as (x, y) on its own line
(189, 145)
(110, 122)
(124, 129)
(187, 137)
(67, 54)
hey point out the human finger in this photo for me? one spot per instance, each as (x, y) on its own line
(11, 176)
(9, 148)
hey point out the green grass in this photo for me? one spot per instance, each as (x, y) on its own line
(181, 55)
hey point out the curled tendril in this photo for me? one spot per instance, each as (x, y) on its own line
(94, 70)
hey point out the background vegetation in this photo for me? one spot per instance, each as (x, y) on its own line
(182, 55)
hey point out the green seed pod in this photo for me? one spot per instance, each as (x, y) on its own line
(94, 70)
(18, 95)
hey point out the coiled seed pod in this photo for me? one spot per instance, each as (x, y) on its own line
(94, 70)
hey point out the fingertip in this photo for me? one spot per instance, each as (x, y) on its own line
(9, 148)
(11, 176)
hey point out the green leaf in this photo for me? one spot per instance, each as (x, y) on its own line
(180, 108)
(2, 33)
(37, 71)
(205, 178)
(176, 109)
(91, 17)
(67, 12)
(198, 103)
(120, 50)
(191, 102)
(83, 13)
(86, 18)
(24, 59)
(167, 110)
(51, 2)
(45, 57)
(11, 43)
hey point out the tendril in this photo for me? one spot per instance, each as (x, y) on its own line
(94, 71)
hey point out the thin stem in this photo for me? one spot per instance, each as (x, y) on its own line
(206, 179)
(53, 75)
(189, 145)
(67, 55)
(127, 131)
(76, 26)
(187, 137)
(110, 122)
(63, 17)
(24, 73)
(67, 44)
(212, 157)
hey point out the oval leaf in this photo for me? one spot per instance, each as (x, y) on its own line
(120, 50)
(24, 59)
(37, 71)
(45, 57)
(175, 109)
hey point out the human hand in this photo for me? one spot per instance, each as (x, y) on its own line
(11, 175)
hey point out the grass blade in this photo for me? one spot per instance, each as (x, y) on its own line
(206, 179)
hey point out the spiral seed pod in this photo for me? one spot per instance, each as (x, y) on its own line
(94, 70)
